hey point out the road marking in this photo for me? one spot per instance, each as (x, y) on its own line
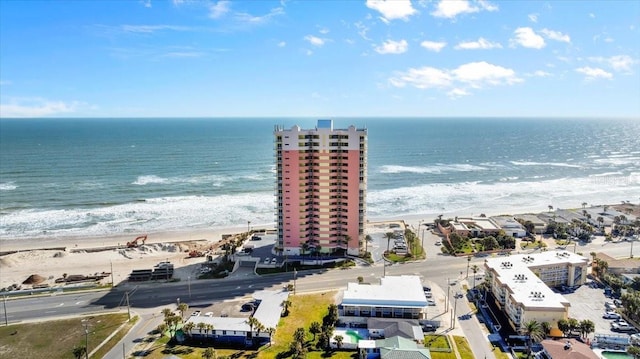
(60, 305)
(50, 311)
(78, 303)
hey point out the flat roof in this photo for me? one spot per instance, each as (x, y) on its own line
(483, 222)
(524, 286)
(393, 291)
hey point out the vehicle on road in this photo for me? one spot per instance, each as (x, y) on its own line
(431, 302)
(196, 313)
(208, 314)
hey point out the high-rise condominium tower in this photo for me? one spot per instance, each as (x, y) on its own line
(321, 188)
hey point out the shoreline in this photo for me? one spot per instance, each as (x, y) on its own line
(215, 234)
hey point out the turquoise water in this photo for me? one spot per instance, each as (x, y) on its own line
(94, 177)
(354, 336)
(616, 355)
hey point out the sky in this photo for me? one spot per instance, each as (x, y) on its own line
(351, 58)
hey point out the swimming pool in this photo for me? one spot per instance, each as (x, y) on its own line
(616, 355)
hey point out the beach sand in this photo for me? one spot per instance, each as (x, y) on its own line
(80, 255)
(52, 258)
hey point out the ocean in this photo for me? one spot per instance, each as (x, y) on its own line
(107, 177)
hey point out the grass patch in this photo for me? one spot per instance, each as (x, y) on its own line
(500, 354)
(56, 339)
(115, 339)
(463, 347)
(436, 341)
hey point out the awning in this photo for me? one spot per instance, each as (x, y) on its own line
(555, 332)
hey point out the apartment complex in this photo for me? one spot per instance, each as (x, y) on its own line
(521, 284)
(321, 188)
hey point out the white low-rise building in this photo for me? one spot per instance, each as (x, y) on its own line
(520, 284)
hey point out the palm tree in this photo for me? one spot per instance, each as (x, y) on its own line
(634, 350)
(79, 351)
(389, 236)
(188, 327)
(339, 339)
(209, 353)
(600, 221)
(207, 328)
(252, 322)
(285, 306)
(584, 204)
(533, 330)
(161, 328)
(182, 308)
(270, 331)
(314, 329)
(167, 312)
(550, 208)
(201, 326)
(586, 327)
(474, 269)
(546, 328)
(564, 327)
(367, 239)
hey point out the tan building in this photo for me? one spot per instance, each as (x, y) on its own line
(520, 285)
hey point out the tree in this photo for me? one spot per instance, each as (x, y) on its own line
(286, 304)
(634, 350)
(550, 208)
(79, 351)
(533, 330)
(252, 322)
(360, 279)
(209, 353)
(574, 324)
(161, 328)
(201, 326)
(270, 331)
(490, 243)
(332, 316)
(584, 204)
(182, 308)
(367, 239)
(474, 269)
(564, 327)
(188, 327)
(339, 339)
(586, 326)
(299, 335)
(167, 312)
(389, 237)
(546, 328)
(207, 328)
(315, 328)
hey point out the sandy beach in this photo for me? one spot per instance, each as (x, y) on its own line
(51, 258)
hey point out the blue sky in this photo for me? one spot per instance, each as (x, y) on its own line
(319, 58)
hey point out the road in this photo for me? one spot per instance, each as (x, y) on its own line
(148, 298)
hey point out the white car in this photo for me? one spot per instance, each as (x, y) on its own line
(431, 302)
(196, 313)
(274, 261)
(611, 315)
(208, 314)
(267, 260)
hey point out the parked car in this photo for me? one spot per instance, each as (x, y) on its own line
(208, 314)
(196, 313)
(431, 302)
(274, 260)
(267, 260)
(611, 315)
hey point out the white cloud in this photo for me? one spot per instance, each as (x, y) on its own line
(533, 17)
(592, 15)
(36, 107)
(219, 9)
(362, 30)
(309, 52)
(433, 45)
(620, 63)
(540, 73)
(392, 47)
(392, 9)
(146, 3)
(556, 35)
(592, 73)
(259, 19)
(451, 8)
(457, 81)
(149, 29)
(282, 44)
(323, 30)
(478, 74)
(314, 40)
(457, 93)
(482, 44)
(526, 37)
(422, 78)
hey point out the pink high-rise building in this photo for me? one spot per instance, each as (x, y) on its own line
(321, 188)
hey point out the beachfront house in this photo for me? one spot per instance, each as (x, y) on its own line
(510, 226)
(474, 226)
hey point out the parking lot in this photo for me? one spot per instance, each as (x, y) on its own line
(588, 303)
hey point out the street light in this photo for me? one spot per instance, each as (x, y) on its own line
(453, 318)
(295, 273)
(447, 302)
(248, 227)
(468, 262)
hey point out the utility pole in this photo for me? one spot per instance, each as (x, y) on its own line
(112, 281)
(468, 262)
(453, 314)
(447, 302)
(295, 273)
(85, 325)
(123, 352)
(128, 307)
(422, 243)
(248, 227)
(4, 302)
(189, 285)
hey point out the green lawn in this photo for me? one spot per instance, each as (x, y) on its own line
(56, 339)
